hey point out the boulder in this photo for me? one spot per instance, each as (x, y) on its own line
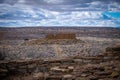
(115, 74)
(38, 76)
(93, 77)
(62, 69)
(54, 78)
(102, 73)
(71, 67)
(58, 69)
(3, 72)
(68, 77)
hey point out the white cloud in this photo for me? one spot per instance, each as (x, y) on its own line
(26, 15)
(54, 1)
(114, 6)
(21, 1)
(86, 15)
(94, 3)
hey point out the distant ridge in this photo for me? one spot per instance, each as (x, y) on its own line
(40, 32)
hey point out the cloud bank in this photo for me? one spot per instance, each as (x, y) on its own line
(20, 13)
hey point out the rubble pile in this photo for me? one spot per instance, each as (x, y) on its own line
(113, 52)
(102, 67)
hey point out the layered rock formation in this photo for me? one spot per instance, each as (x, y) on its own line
(102, 67)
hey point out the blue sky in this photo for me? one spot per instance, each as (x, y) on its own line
(21, 13)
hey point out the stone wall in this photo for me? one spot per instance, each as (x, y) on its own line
(61, 36)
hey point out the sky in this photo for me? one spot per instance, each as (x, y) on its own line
(95, 13)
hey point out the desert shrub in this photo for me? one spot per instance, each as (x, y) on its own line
(26, 39)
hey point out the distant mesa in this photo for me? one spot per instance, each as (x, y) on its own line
(61, 36)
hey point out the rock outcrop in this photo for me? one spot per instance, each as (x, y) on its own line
(74, 68)
(113, 52)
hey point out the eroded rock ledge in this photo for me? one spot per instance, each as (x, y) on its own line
(102, 67)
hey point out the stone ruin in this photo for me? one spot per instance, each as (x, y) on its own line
(61, 36)
(54, 38)
(102, 67)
